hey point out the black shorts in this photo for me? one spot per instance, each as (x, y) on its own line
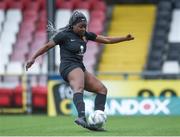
(67, 67)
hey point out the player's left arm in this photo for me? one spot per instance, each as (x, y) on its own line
(112, 40)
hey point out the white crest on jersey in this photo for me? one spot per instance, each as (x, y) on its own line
(81, 50)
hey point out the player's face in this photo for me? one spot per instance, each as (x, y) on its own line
(80, 28)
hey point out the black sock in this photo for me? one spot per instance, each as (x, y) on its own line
(79, 103)
(100, 101)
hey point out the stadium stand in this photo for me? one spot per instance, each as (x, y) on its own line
(11, 96)
(159, 39)
(23, 31)
(164, 50)
(137, 20)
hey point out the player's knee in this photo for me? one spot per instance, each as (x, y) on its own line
(103, 90)
(77, 87)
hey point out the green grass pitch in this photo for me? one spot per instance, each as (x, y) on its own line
(21, 125)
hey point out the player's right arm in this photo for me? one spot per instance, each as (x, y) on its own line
(41, 51)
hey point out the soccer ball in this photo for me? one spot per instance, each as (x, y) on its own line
(97, 119)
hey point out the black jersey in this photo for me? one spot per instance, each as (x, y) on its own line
(72, 46)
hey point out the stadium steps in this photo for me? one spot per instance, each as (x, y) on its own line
(137, 20)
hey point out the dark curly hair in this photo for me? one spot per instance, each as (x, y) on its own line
(75, 18)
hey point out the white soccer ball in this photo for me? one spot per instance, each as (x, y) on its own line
(97, 119)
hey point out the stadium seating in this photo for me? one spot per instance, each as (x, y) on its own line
(18, 96)
(28, 26)
(165, 41)
(65, 4)
(20, 21)
(130, 56)
(23, 31)
(11, 96)
(39, 97)
(159, 39)
(5, 97)
(171, 67)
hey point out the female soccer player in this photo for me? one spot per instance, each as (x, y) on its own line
(72, 40)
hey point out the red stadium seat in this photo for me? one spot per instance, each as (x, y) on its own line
(95, 23)
(35, 45)
(97, 15)
(25, 2)
(16, 4)
(35, 5)
(41, 26)
(96, 30)
(42, 4)
(10, 97)
(18, 57)
(39, 97)
(27, 26)
(30, 13)
(43, 15)
(59, 3)
(84, 4)
(96, 26)
(99, 5)
(40, 34)
(5, 97)
(65, 4)
(3, 4)
(21, 44)
(18, 96)
(25, 37)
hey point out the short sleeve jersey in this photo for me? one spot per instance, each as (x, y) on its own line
(72, 47)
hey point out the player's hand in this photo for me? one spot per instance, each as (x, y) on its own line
(129, 37)
(29, 64)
